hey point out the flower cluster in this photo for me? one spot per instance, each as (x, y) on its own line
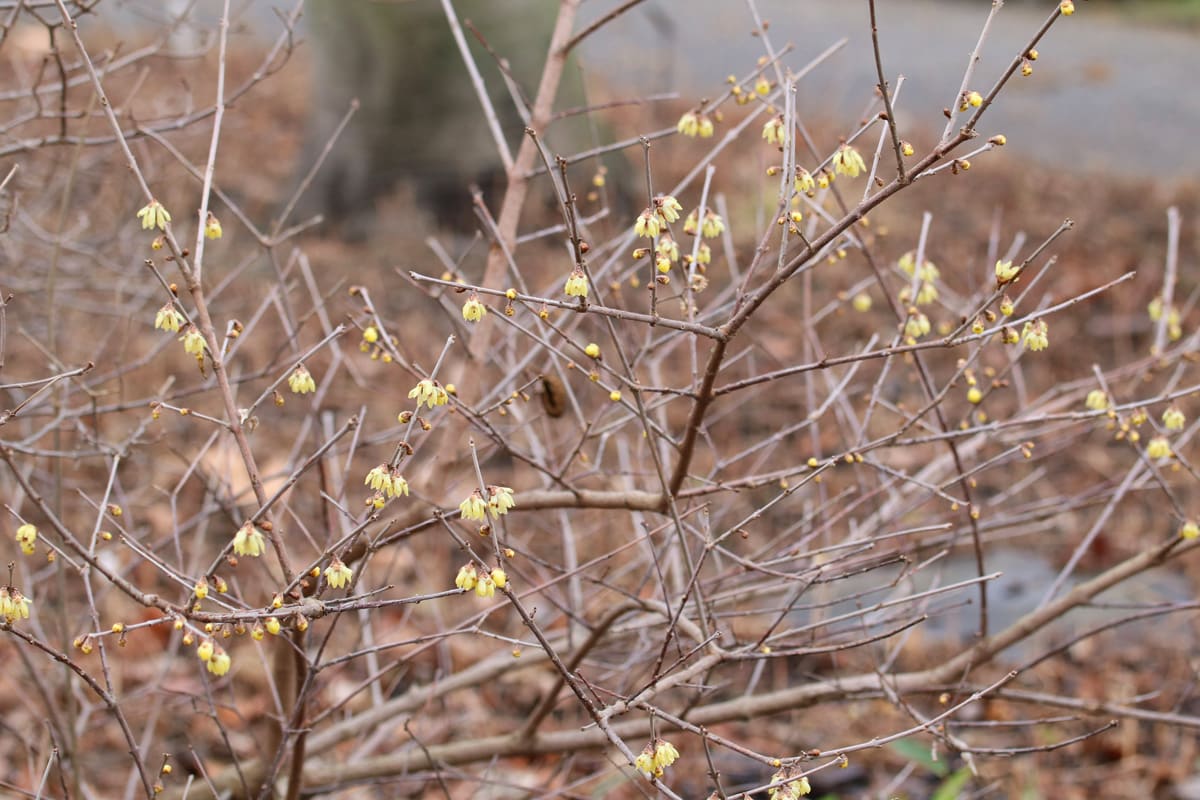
(484, 585)
(1034, 334)
(804, 182)
(500, 500)
(1174, 328)
(429, 392)
(712, 226)
(791, 785)
(917, 324)
(1097, 400)
(385, 480)
(214, 657)
(249, 541)
(692, 125)
(13, 604)
(656, 757)
(908, 265)
(27, 538)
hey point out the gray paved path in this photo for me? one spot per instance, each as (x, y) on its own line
(1104, 95)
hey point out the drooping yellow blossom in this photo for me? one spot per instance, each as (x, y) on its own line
(1097, 400)
(13, 605)
(1006, 272)
(473, 310)
(301, 381)
(790, 787)
(1173, 419)
(193, 341)
(27, 538)
(667, 207)
(1158, 447)
(169, 319)
(467, 577)
(428, 392)
(1190, 530)
(689, 124)
(212, 227)
(847, 161)
(249, 541)
(500, 500)
(712, 226)
(647, 225)
(775, 131)
(1035, 335)
(338, 574)
(220, 662)
(665, 754)
(500, 578)
(385, 480)
(474, 507)
(576, 285)
(153, 215)
(804, 182)
(485, 587)
(917, 325)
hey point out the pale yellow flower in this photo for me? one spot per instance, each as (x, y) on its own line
(1006, 272)
(847, 161)
(249, 541)
(576, 285)
(338, 574)
(301, 381)
(473, 310)
(169, 319)
(667, 207)
(153, 215)
(212, 227)
(500, 500)
(193, 341)
(219, 663)
(647, 225)
(689, 124)
(474, 507)
(428, 392)
(27, 538)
